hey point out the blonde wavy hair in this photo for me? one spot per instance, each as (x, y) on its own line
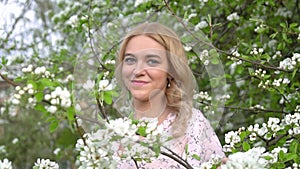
(180, 92)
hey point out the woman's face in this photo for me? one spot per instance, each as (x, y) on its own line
(144, 68)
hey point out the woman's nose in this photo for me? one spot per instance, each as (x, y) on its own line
(139, 69)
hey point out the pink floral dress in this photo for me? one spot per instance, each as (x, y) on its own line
(200, 139)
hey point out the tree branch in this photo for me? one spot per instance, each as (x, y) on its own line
(219, 50)
(8, 80)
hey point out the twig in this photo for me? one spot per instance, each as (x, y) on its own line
(88, 119)
(176, 157)
(79, 130)
(135, 162)
(8, 80)
(255, 108)
(100, 107)
(90, 39)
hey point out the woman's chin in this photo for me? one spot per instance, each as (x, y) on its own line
(141, 98)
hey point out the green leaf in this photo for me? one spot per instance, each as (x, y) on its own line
(50, 119)
(141, 131)
(71, 113)
(280, 155)
(272, 36)
(197, 157)
(239, 69)
(53, 125)
(214, 82)
(294, 73)
(214, 56)
(294, 146)
(4, 61)
(293, 25)
(268, 157)
(40, 107)
(46, 82)
(214, 60)
(33, 83)
(186, 149)
(18, 79)
(289, 157)
(251, 71)
(246, 146)
(107, 97)
(39, 96)
(156, 148)
(283, 25)
(243, 135)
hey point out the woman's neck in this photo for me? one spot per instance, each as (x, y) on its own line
(153, 108)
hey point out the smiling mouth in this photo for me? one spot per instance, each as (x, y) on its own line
(138, 82)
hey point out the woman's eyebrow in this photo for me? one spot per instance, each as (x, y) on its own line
(146, 55)
(153, 56)
(129, 54)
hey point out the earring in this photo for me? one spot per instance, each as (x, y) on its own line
(169, 83)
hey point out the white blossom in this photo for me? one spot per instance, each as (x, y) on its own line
(202, 96)
(259, 28)
(233, 16)
(15, 101)
(187, 48)
(56, 151)
(30, 91)
(201, 25)
(139, 2)
(5, 164)
(17, 96)
(232, 138)
(286, 81)
(89, 84)
(52, 109)
(105, 85)
(206, 62)
(287, 64)
(254, 51)
(17, 88)
(69, 78)
(99, 149)
(236, 53)
(29, 86)
(277, 54)
(251, 159)
(47, 97)
(72, 20)
(15, 140)
(27, 69)
(31, 100)
(297, 109)
(40, 70)
(21, 92)
(203, 54)
(46, 164)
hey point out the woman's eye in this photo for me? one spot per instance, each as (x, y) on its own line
(152, 62)
(129, 60)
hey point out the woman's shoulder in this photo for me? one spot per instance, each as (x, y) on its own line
(197, 116)
(198, 122)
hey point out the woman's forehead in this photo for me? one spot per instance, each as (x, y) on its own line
(142, 42)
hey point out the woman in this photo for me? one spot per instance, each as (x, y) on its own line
(153, 68)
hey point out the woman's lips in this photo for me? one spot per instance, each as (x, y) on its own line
(138, 82)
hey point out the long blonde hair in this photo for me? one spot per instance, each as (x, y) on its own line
(179, 94)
